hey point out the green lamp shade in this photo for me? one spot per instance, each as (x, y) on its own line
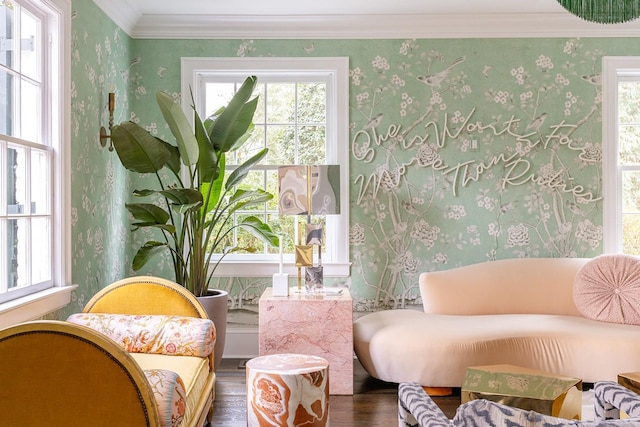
(603, 11)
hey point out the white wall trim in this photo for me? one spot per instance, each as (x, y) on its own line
(34, 306)
(241, 343)
(613, 67)
(507, 25)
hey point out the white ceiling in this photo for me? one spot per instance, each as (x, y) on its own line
(352, 18)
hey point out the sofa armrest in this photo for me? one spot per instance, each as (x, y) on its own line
(416, 408)
(611, 398)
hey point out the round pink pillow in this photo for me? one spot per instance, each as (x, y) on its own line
(607, 288)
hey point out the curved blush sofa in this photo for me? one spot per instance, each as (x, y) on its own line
(516, 311)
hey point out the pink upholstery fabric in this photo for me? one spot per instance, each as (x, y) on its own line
(170, 394)
(159, 334)
(607, 289)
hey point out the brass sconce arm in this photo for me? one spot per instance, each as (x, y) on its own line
(104, 136)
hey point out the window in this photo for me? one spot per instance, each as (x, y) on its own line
(302, 117)
(34, 228)
(621, 154)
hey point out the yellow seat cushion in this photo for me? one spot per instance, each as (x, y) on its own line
(192, 370)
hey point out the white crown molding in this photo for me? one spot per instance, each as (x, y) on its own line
(121, 13)
(374, 26)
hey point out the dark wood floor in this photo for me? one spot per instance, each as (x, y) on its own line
(374, 402)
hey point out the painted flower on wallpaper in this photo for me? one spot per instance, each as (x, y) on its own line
(427, 234)
(518, 235)
(590, 233)
(357, 236)
(426, 155)
(406, 263)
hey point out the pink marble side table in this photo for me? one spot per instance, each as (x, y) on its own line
(317, 325)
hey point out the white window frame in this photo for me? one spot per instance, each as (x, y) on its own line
(56, 117)
(614, 69)
(336, 260)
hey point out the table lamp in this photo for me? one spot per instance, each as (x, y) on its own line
(309, 190)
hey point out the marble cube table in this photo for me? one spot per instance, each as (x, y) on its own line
(318, 325)
(287, 390)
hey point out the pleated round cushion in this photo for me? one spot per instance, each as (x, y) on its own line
(607, 289)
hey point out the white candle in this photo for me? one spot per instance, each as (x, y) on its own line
(281, 257)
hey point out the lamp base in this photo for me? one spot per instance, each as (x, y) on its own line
(281, 285)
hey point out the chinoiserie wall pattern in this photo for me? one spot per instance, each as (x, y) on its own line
(462, 150)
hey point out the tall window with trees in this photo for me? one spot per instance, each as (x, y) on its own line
(621, 154)
(32, 183)
(301, 117)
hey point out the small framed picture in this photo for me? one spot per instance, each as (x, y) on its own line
(314, 234)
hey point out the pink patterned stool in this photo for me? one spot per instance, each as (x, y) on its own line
(287, 390)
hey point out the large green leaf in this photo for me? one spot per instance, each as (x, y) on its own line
(180, 128)
(138, 150)
(260, 230)
(183, 199)
(241, 171)
(146, 252)
(207, 160)
(148, 213)
(235, 119)
(243, 199)
(214, 190)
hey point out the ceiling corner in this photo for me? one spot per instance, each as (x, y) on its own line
(121, 13)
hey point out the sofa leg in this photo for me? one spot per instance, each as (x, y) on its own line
(438, 391)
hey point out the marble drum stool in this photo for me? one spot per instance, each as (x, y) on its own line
(287, 390)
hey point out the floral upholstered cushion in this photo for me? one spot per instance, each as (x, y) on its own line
(158, 334)
(170, 394)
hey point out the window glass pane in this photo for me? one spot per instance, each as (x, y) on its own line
(41, 250)
(281, 103)
(259, 116)
(16, 180)
(629, 144)
(6, 34)
(29, 47)
(249, 148)
(631, 192)
(40, 183)
(631, 234)
(312, 145)
(218, 95)
(312, 100)
(30, 111)
(272, 187)
(629, 102)
(7, 99)
(281, 141)
(17, 250)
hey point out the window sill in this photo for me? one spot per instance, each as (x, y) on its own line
(34, 306)
(238, 268)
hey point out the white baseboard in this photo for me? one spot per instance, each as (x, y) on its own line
(241, 343)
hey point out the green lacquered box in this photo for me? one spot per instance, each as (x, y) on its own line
(524, 388)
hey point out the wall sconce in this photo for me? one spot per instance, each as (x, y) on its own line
(103, 132)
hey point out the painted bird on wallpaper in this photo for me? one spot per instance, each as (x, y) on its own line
(436, 79)
(537, 122)
(374, 122)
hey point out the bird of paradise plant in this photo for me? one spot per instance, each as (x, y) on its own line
(195, 210)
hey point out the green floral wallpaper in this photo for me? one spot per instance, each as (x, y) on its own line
(462, 150)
